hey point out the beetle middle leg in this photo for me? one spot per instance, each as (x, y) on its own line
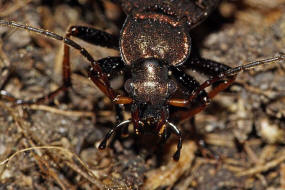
(98, 73)
(225, 74)
(97, 68)
(182, 115)
(90, 35)
(108, 66)
(223, 77)
(95, 37)
(191, 84)
(207, 67)
(66, 79)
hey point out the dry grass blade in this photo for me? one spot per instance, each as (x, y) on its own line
(62, 112)
(262, 168)
(67, 152)
(18, 5)
(169, 173)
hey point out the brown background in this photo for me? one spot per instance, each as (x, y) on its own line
(251, 113)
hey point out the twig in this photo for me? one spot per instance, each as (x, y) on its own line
(262, 168)
(19, 4)
(62, 112)
(66, 151)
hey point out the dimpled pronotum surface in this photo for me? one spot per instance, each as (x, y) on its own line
(144, 37)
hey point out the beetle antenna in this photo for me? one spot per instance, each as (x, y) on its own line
(253, 64)
(52, 35)
(111, 132)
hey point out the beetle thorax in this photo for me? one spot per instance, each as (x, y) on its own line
(154, 35)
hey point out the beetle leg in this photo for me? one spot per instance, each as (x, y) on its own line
(109, 65)
(182, 115)
(209, 68)
(99, 78)
(66, 78)
(205, 66)
(100, 70)
(101, 81)
(227, 76)
(189, 82)
(94, 36)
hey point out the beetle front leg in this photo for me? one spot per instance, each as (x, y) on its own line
(182, 115)
(87, 34)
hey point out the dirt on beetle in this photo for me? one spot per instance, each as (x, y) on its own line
(54, 145)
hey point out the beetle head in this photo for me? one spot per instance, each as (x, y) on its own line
(150, 88)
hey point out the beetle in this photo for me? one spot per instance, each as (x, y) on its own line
(154, 45)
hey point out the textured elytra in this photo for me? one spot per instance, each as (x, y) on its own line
(194, 11)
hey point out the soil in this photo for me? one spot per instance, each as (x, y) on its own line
(54, 145)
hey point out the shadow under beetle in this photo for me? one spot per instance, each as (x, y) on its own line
(154, 43)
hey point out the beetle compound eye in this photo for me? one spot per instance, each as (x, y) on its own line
(129, 85)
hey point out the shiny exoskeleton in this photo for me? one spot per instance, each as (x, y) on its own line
(154, 43)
